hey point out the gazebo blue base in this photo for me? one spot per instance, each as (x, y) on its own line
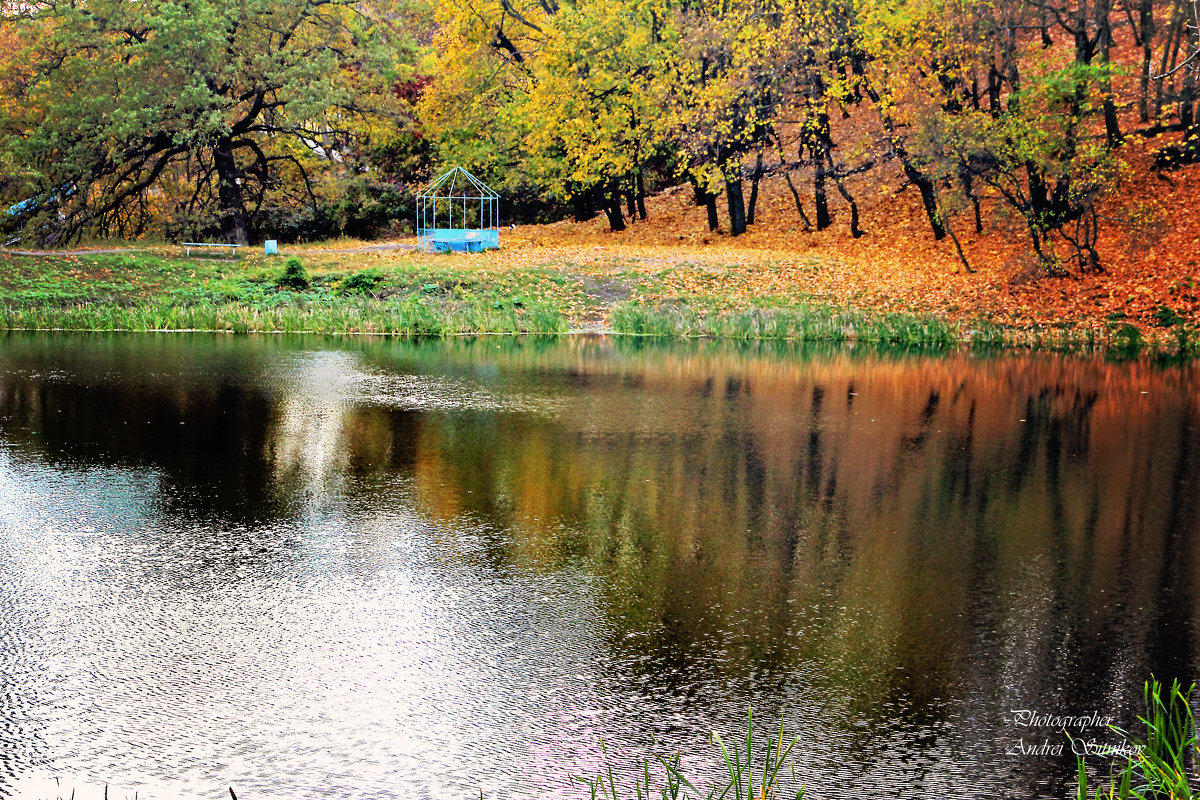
(458, 240)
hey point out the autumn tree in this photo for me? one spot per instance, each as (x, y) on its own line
(595, 112)
(727, 90)
(1043, 157)
(920, 62)
(827, 79)
(212, 104)
(1176, 79)
(475, 113)
(564, 97)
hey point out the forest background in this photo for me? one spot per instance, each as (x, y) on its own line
(1056, 138)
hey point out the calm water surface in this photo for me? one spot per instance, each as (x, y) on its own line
(371, 569)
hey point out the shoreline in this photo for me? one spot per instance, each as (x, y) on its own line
(529, 290)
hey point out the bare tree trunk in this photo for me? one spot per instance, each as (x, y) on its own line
(710, 206)
(855, 230)
(787, 176)
(962, 257)
(994, 91)
(707, 199)
(1187, 92)
(229, 194)
(968, 183)
(1112, 128)
(754, 178)
(1169, 55)
(820, 198)
(799, 206)
(641, 195)
(612, 209)
(733, 198)
(928, 196)
(915, 175)
(582, 206)
(616, 222)
(1146, 9)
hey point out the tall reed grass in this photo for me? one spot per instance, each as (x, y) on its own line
(409, 316)
(744, 776)
(838, 324)
(803, 323)
(1161, 765)
(1163, 761)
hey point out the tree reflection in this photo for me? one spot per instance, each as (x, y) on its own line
(903, 531)
(954, 523)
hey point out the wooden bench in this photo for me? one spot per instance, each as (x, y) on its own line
(187, 246)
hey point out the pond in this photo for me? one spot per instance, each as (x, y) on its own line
(369, 568)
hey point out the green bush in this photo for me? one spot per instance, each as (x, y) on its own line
(1126, 340)
(294, 276)
(1166, 317)
(363, 282)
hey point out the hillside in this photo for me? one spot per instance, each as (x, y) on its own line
(1149, 245)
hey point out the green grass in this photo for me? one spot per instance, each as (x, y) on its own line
(151, 292)
(435, 295)
(801, 322)
(1163, 764)
(410, 316)
(744, 776)
(823, 322)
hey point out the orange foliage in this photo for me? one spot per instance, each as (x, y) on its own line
(1149, 248)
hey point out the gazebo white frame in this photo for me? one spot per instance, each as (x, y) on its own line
(457, 200)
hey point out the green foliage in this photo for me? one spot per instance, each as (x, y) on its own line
(1037, 154)
(1163, 761)
(1166, 317)
(1126, 340)
(352, 206)
(294, 275)
(1187, 343)
(363, 209)
(363, 282)
(190, 116)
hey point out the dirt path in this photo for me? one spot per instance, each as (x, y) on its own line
(383, 247)
(106, 251)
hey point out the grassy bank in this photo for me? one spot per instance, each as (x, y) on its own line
(537, 291)
(155, 291)
(409, 316)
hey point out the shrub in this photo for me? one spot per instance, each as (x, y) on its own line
(1166, 317)
(363, 282)
(1126, 340)
(294, 275)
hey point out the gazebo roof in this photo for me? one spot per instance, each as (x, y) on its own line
(457, 184)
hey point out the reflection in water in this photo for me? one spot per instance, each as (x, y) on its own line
(379, 568)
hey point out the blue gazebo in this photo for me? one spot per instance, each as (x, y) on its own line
(457, 211)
